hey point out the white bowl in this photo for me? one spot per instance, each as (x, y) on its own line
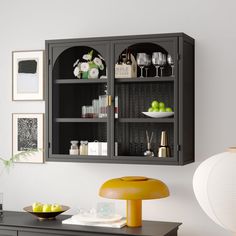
(158, 114)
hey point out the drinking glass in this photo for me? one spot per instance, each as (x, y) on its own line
(156, 61)
(162, 63)
(170, 61)
(141, 61)
(148, 63)
(105, 209)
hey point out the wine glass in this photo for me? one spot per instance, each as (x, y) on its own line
(156, 61)
(148, 63)
(170, 61)
(141, 61)
(162, 63)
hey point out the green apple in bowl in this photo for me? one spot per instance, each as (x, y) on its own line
(169, 109)
(56, 208)
(155, 110)
(161, 105)
(150, 109)
(162, 110)
(37, 207)
(155, 104)
(47, 207)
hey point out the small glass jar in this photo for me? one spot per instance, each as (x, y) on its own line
(74, 149)
(83, 148)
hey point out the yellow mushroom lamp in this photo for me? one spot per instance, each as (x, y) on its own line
(134, 189)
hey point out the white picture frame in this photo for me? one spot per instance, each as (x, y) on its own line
(27, 75)
(27, 134)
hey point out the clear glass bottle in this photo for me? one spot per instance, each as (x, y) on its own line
(83, 148)
(74, 149)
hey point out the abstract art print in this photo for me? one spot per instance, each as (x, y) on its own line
(27, 136)
(27, 70)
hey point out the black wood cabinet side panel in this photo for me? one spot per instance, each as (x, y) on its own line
(187, 103)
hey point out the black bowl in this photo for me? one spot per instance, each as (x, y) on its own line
(45, 215)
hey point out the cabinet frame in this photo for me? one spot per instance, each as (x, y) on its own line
(183, 81)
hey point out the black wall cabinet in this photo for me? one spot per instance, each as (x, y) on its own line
(66, 95)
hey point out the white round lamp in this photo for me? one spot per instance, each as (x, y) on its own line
(214, 184)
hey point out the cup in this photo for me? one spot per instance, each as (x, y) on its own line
(1, 205)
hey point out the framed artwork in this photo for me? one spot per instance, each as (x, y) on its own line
(27, 134)
(27, 75)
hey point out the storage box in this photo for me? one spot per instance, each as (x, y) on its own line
(126, 71)
(99, 148)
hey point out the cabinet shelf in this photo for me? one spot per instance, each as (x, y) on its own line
(81, 81)
(81, 120)
(145, 120)
(145, 80)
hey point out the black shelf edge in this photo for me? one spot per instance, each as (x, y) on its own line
(80, 81)
(145, 80)
(114, 159)
(145, 120)
(81, 120)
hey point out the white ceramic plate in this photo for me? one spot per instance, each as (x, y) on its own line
(93, 218)
(158, 114)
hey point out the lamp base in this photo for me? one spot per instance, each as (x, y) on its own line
(134, 213)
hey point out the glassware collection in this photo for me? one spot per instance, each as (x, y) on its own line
(143, 61)
(98, 108)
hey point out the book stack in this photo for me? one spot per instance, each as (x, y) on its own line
(116, 221)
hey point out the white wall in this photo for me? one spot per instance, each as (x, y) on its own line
(26, 24)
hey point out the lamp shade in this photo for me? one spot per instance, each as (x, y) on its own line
(134, 189)
(214, 185)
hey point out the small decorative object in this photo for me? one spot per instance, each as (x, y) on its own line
(94, 148)
(1, 205)
(158, 110)
(48, 214)
(90, 67)
(215, 189)
(134, 189)
(149, 152)
(74, 149)
(83, 148)
(95, 104)
(105, 210)
(27, 75)
(124, 70)
(116, 108)
(97, 148)
(103, 103)
(28, 135)
(164, 149)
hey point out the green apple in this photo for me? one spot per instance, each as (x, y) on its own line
(168, 109)
(150, 109)
(162, 110)
(161, 105)
(155, 104)
(46, 207)
(37, 207)
(156, 110)
(56, 207)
